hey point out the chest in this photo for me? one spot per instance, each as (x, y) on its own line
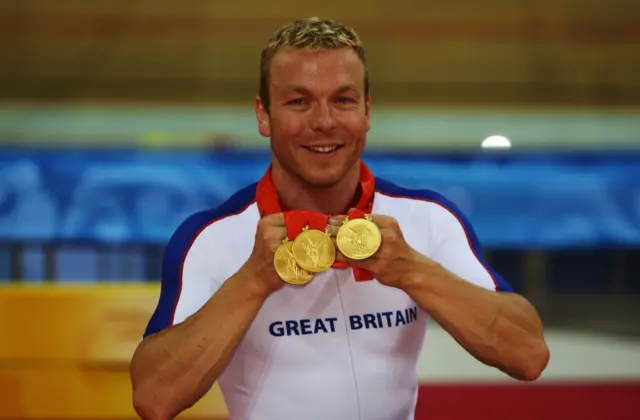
(335, 313)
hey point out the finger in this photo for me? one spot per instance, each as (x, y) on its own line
(341, 258)
(274, 234)
(333, 230)
(389, 235)
(384, 221)
(339, 255)
(275, 219)
(336, 220)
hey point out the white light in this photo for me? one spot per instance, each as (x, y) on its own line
(496, 142)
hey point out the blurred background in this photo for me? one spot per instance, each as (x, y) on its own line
(120, 118)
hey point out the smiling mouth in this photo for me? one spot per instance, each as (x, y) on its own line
(322, 149)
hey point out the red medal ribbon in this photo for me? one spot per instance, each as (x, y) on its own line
(268, 203)
(356, 214)
(317, 221)
(296, 220)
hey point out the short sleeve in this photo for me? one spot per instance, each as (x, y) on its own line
(184, 286)
(458, 249)
(187, 272)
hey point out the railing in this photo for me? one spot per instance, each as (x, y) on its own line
(589, 288)
(79, 261)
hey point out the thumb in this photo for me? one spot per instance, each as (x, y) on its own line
(341, 258)
(339, 255)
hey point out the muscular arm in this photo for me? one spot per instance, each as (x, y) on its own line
(473, 303)
(173, 369)
(200, 319)
(499, 329)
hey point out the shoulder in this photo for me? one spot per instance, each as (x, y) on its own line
(435, 202)
(443, 217)
(186, 255)
(446, 225)
(193, 226)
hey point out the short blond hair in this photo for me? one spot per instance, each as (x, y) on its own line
(311, 33)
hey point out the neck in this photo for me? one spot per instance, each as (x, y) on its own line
(295, 194)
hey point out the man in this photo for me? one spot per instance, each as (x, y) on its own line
(336, 348)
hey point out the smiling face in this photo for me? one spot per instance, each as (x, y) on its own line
(319, 113)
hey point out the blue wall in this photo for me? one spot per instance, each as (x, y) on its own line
(132, 196)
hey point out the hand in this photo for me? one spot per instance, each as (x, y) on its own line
(271, 231)
(394, 261)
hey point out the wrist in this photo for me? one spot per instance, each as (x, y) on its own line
(253, 283)
(420, 272)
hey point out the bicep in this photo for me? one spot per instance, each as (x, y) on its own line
(459, 250)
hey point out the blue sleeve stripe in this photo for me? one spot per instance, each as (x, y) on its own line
(389, 189)
(176, 252)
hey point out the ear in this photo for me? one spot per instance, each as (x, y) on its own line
(264, 124)
(367, 111)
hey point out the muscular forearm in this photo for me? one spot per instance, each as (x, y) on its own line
(173, 369)
(499, 329)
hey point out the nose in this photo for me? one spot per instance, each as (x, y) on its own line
(323, 118)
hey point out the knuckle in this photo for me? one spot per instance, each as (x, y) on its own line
(280, 234)
(264, 235)
(262, 224)
(273, 247)
(384, 252)
(270, 219)
(389, 238)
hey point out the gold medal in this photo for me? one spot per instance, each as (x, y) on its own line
(358, 239)
(313, 250)
(286, 266)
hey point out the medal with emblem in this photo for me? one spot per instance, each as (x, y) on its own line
(358, 239)
(287, 267)
(313, 250)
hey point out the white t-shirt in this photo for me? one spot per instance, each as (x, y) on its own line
(335, 349)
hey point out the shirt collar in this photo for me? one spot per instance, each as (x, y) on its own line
(269, 203)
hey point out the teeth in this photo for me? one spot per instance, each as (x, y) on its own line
(323, 149)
